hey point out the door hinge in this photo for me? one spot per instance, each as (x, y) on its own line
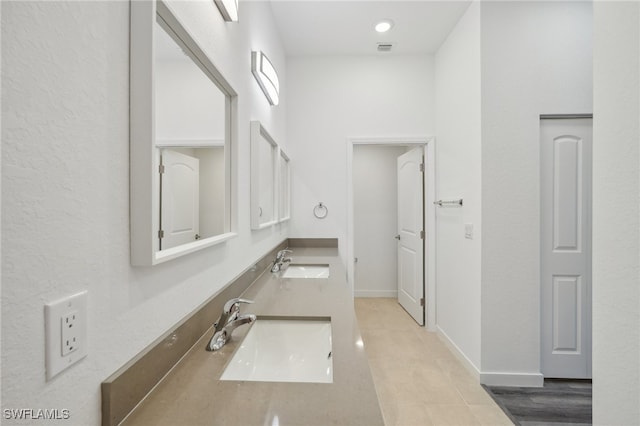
(422, 167)
(161, 168)
(422, 235)
(422, 301)
(160, 234)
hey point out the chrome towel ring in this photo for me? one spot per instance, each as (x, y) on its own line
(320, 211)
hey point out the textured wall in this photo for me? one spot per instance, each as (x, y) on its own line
(65, 190)
(616, 214)
(458, 176)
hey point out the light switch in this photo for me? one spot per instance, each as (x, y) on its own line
(468, 231)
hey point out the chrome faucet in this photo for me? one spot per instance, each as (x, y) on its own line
(280, 259)
(229, 320)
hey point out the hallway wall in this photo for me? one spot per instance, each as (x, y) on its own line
(526, 72)
(458, 167)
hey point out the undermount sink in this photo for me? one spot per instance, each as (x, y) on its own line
(306, 271)
(291, 350)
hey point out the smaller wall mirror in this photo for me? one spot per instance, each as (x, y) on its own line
(284, 186)
(264, 151)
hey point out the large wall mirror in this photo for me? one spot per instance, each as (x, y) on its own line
(181, 134)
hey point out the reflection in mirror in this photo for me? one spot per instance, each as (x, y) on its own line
(190, 108)
(263, 177)
(182, 111)
(284, 197)
(190, 136)
(191, 193)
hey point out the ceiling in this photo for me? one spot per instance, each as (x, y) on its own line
(345, 27)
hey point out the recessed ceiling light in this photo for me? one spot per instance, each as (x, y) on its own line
(384, 25)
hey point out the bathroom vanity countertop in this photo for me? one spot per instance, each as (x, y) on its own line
(192, 394)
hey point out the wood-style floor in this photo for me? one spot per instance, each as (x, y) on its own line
(418, 380)
(558, 403)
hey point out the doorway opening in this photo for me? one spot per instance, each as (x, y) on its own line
(374, 212)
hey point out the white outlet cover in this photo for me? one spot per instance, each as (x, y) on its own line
(55, 314)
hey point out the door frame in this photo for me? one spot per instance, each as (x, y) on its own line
(428, 142)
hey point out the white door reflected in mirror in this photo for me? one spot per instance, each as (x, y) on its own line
(179, 199)
(191, 195)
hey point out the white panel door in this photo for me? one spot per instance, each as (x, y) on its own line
(180, 199)
(410, 230)
(566, 247)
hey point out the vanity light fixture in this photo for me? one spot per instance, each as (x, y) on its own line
(228, 9)
(384, 25)
(266, 76)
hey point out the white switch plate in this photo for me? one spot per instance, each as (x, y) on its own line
(468, 231)
(66, 332)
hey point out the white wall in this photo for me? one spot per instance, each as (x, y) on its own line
(536, 59)
(375, 216)
(458, 176)
(332, 99)
(616, 214)
(65, 178)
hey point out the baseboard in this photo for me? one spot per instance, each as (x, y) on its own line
(460, 356)
(376, 293)
(530, 380)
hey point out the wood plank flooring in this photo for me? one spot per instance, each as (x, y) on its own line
(559, 402)
(418, 380)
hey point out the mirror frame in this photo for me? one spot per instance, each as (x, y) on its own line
(258, 134)
(144, 161)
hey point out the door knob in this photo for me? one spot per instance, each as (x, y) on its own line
(397, 237)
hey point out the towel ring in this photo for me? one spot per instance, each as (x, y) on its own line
(320, 211)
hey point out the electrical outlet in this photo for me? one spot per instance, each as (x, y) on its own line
(69, 333)
(66, 332)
